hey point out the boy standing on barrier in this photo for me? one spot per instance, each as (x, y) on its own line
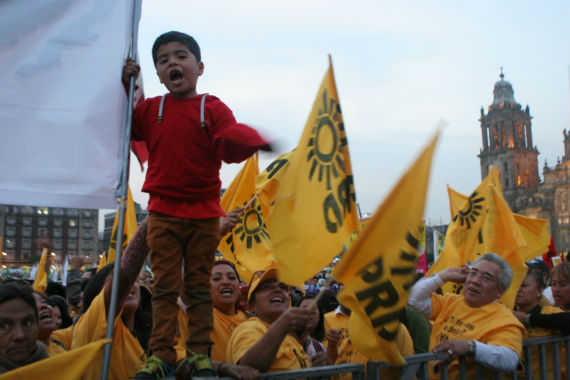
(187, 136)
(473, 323)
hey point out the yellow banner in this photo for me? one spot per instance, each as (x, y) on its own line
(315, 205)
(464, 231)
(129, 228)
(40, 281)
(380, 267)
(69, 365)
(268, 181)
(248, 245)
(514, 237)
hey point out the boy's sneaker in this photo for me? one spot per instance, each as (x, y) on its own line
(195, 365)
(154, 368)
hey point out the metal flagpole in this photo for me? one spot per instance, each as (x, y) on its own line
(122, 193)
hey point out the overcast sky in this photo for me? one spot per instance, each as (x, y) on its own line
(400, 67)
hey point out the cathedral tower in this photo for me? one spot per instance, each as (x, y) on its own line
(507, 143)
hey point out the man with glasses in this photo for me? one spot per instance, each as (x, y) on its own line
(473, 323)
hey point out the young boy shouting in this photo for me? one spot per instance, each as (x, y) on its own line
(187, 136)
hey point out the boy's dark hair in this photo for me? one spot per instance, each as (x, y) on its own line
(174, 36)
(15, 290)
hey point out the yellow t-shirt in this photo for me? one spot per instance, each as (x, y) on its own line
(536, 332)
(493, 324)
(223, 327)
(290, 355)
(127, 355)
(63, 336)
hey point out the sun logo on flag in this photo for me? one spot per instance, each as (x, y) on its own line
(327, 142)
(251, 229)
(472, 211)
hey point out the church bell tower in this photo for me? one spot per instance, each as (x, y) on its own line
(506, 131)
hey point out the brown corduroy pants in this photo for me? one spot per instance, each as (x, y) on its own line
(172, 239)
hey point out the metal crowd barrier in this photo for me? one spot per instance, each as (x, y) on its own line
(417, 366)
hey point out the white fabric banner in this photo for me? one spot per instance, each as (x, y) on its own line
(62, 104)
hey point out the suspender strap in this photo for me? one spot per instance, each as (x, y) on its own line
(161, 108)
(202, 107)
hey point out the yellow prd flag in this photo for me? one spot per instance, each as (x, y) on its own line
(267, 182)
(102, 262)
(69, 365)
(248, 245)
(464, 231)
(380, 266)
(517, 239)
(40, 281)
(315, 206)
(129, 227)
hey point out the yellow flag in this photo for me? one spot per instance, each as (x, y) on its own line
(129, 227)
(248, 245)
(514, 237)
(315, 205)
(40, 281)
(69, 365)
(464, 231)
(102, 262)
(380, 266)
(267, 182)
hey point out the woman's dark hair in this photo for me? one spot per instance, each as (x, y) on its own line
(59, 302)
(239, 306)
(229, 263)
(319, 332)
(143, 314)
(539, 276)
(55, 288)
(18, 290)
(85, 281)
(95, 285)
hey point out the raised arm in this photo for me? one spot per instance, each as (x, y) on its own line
(131, 264)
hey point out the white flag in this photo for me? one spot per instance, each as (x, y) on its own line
(62, 103)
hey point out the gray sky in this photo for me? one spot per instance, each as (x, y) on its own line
(400, 67)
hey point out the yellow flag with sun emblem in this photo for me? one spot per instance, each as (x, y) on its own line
(464, 231)
(315, 205)
(380, 266)
(129, 229)
(248, 245)
(514, 237)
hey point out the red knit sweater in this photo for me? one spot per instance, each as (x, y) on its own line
(184, 158)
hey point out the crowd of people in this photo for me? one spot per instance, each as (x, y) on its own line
(266, 326)
(198, 318)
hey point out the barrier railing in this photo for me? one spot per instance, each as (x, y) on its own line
(417, 366)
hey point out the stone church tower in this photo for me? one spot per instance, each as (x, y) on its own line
(507, 144)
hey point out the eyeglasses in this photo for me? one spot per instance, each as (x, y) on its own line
(485, 277)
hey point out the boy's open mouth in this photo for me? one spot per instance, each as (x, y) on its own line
(175, 74)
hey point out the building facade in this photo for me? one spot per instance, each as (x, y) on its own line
(507, 144)
(70, 231)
